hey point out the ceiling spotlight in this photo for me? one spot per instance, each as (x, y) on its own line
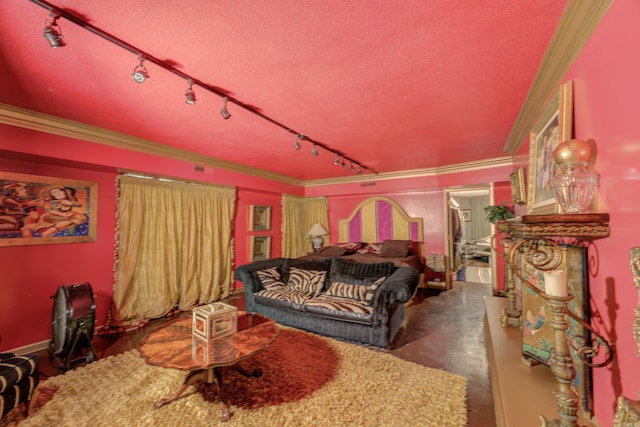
(190, 97)
(52, 32)
(314, 151)
(296, 144)
(224, 112)
(351, 168)
(140, 72)
(343, 164)
(336, 161)
(359, 171)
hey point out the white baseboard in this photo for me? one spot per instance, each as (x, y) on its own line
(31, 348)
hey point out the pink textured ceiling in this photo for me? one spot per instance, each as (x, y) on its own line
(394, 85)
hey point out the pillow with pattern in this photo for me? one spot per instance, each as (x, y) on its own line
(360, 293)
(351, 247)
(370, 248)
(306, 281)
(270, 278)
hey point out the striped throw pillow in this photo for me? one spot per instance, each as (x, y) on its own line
(307, 281)
(270, 278)
(359, 293)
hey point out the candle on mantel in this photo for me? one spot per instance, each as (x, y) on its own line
(555, 283)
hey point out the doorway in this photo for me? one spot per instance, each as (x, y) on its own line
(468, 234)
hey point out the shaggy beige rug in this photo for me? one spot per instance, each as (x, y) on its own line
(307, 380)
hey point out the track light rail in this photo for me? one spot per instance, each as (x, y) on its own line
(55, 11)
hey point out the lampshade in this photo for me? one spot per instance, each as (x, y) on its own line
(317, 230)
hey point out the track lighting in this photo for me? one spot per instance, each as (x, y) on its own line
(190, 97)
(52, 32)
(224, 112)
(140, 72)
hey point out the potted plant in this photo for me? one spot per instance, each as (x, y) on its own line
(495, 213)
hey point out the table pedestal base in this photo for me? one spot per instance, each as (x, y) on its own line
(210, 376)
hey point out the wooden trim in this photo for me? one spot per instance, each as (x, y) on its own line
(579, 20)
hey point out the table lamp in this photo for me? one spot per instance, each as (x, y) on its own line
(317, 231)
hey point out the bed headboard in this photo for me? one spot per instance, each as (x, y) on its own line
(378, 219)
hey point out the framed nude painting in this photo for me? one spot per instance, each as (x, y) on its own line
(554, 126)
(37, 210)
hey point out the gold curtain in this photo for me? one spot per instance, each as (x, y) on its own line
(174, 247)
(299, 214)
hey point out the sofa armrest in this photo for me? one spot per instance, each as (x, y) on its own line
(399, 287)
(248, 275)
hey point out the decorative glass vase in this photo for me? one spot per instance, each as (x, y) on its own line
(574, 185)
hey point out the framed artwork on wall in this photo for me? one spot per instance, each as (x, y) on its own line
(38, 210)
(260, 248)
(518, 193)
(554, 126)
(259, 218)
(466, 215)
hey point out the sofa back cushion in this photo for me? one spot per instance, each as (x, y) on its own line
(358, 273)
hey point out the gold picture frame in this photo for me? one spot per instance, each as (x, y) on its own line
(554, 126)
(518, 192)
(40, 210)
(259, 218)
(260, 247)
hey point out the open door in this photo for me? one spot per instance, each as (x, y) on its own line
(468, 234)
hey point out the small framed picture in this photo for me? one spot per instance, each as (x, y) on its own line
(259, 218)
(466, 215)
(260, 247)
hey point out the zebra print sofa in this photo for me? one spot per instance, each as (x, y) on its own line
(353, 301)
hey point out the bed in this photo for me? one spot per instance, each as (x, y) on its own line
(378, 230)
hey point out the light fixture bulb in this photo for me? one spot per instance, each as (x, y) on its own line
(336, 161)
(359, 171)
(224, 112)
(53, 33)
(296, 144)
(190, 97)
(314, 151)
(140, 73)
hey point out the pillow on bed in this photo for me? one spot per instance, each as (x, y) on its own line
(395, 248)
(351, 247)
(370, 248)
(332, 251)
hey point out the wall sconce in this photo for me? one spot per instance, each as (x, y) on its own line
(52, 32)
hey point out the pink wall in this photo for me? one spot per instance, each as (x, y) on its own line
(606, 91)
(31, 274)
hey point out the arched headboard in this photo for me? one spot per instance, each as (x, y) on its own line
(378, 219)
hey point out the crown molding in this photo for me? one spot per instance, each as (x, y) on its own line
(417, 173)
(577, 23)
(53, 125)
(28, 119)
